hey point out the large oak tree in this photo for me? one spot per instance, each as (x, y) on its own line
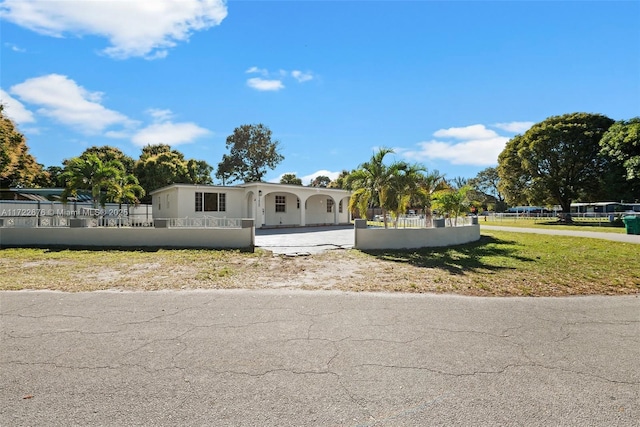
(555, 161)
(251, 152)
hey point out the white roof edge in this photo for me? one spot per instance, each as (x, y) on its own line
(253, 185)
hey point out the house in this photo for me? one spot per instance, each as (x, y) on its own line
(268, 204)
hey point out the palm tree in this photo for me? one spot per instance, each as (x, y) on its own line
(370, 183)
(428, 185)
(90, 173)
(126, 189)
(403, 186)
(452, 202)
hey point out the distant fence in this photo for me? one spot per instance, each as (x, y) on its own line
(199, 222)
(420, 221)
(65, 222)
(28, 213)
(599, 216)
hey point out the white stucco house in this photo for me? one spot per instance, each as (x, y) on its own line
(268, 204)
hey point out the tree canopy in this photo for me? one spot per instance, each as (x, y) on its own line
(621, 143)
(340, 181)
(320, 181)
(555, 161)
(452, 202)
(391, 187)
(251, 152)
(486, 189)
(91, 173)
(160, 165)
(107, 153)
(290, 178)
(18, 168)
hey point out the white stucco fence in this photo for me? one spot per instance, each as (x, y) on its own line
(109, 237)
(414, 238)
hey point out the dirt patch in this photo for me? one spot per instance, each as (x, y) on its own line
(492, 268)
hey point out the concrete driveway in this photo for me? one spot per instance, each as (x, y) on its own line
(280, 358)
(305, 240)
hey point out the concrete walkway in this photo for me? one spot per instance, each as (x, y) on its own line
(285, 358)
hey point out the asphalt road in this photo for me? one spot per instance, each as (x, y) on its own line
(281, 358)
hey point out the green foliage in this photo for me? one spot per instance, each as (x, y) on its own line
(125, 189)
(320, 181)
(290, 178)
(107, 153)
(452, 202)
(18, 168)
(340, 181)
(487, 181)
(199, 172)
(90, 173)
(393, 187)
(51, 177)
(403, 187)
(621, 145)
(621, 142)
(428, 184)
(159, 166)
(369, 182)
(251, 152)
(555, 161)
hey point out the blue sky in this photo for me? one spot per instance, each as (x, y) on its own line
(443, 83)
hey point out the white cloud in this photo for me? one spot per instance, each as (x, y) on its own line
(301, 77)
(163, 131)
(159, 115)
(273, 81)
(467, 132)
(15, 109)
(514, 127)
(265, 85)
(134, 28)
(473, 145)
(256, 70)
(63, 100)
(14, 47)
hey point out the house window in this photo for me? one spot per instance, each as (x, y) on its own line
(340, 206)
(198, 202)
(329, 205)
(211, 202)
(167, 201)
(281, 204)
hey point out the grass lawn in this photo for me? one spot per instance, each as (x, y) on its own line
(500, 264)
(578, 224)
